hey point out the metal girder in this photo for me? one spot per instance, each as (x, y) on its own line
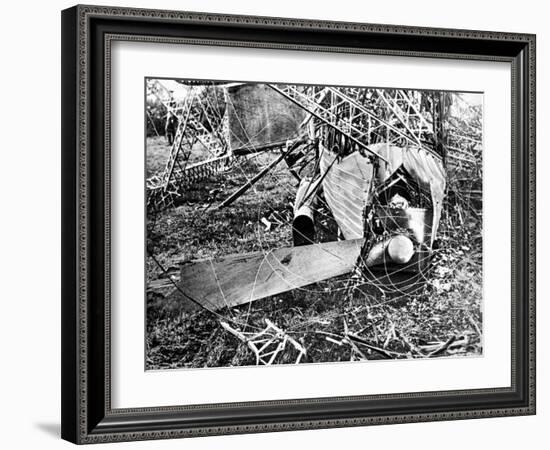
(306, 99)
(360, 113)
(193, 118)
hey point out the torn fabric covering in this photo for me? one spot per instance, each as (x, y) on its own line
(425, 167)
(422, 165)
(346, 185)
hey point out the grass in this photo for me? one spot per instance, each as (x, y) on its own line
(442, 317)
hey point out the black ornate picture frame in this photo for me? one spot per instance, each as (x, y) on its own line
(87, 35)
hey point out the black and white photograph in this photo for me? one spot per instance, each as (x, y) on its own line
(292, 224)
(275, 225)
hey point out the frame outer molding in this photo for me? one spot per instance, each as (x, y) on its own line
(75, 205)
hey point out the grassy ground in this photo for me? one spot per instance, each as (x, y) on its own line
(158, 151)
(442, 317)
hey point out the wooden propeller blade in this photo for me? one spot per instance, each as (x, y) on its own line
(234, 280)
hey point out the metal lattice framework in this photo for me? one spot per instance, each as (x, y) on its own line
(197, 122)
(368, 116)
(365, 116)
